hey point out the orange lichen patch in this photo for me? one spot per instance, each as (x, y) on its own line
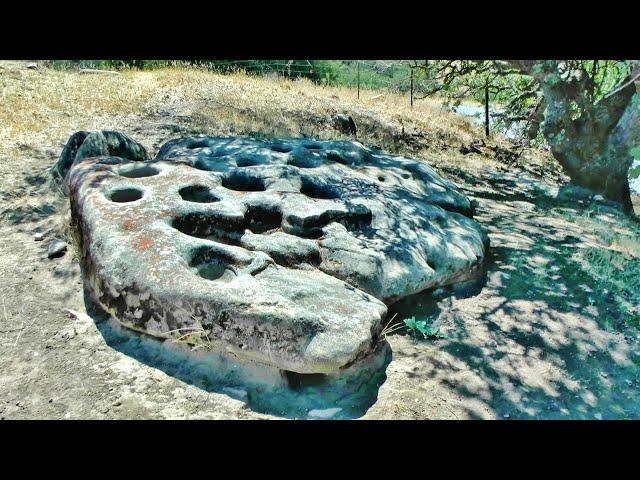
(129, 224)
(144, 243)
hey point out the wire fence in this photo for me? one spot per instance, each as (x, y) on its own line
(404, 77)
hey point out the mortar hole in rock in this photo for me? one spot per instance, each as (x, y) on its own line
(336, 156)
(260, 219)
(303, 162)
(198, 193)
(313, 146)
(243, 183)
(298, 381)
(198, 143)
(138, 171)
(247, 162)
(381, 178)
(125, 195)
(210, 266)
(319, 190)
(201, 225)
(281, 148)
(203, 165)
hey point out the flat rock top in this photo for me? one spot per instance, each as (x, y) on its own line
(282, 252)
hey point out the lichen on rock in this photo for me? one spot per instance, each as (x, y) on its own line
(285, 252)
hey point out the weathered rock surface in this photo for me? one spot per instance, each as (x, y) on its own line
(281, 252)
(344, 123)
(95, 144)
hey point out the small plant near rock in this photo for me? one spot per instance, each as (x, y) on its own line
(417, 328)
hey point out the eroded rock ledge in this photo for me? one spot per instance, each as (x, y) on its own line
(282, 252)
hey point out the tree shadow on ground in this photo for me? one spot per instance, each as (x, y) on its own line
(542, 339)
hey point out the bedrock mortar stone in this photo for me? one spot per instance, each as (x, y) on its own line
(282, 252)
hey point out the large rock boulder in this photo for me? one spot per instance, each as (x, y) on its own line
(95, 144)
(282, 252)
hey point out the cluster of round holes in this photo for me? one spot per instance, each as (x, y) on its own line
(138, 171)
(197, 193)
(125, 195)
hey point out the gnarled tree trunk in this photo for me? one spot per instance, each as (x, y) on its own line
(593, 141)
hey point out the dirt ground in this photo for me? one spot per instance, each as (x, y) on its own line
(542, 338)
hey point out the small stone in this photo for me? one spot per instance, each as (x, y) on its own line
(323, 414)
(604, 375)
(598, 416)
(56, 249)
(344, 123)
(598, 198)
(38, 237)
(117, 403)
(506, 415)
(32, 66)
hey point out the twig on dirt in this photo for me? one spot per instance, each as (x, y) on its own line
(23, 327)
(99, 72)
(451, 411)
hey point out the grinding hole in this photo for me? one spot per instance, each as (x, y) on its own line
(281, 147)
(381, 178)
(197, 193)
(138, 171)
(318, 190)
(298, 381)
(203, 165)
(313, 146)
(210, 266)
(201, 225)
(198, 143)
(125, 195)
(406, 176)
(336, 156)
(243, 183)
(247, 162)
(260, 219)
(303, 162)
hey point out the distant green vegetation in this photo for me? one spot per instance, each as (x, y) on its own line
(376, 74)
(373, 74)
(317, 70)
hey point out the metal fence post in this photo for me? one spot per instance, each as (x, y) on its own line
(358, 66)
(411, 85)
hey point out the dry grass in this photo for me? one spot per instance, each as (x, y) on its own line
(40, 109)
(37, 106)
(44, 107)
